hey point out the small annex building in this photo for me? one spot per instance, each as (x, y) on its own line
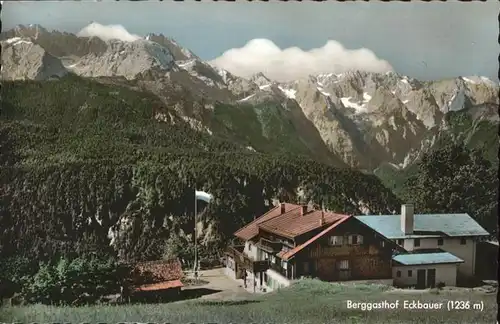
(426, 268)
(440, 248)
(158, 280)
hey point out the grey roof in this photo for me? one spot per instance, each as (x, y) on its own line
(448, 224)
(426, 258)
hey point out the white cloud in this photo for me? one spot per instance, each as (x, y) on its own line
(262, 55)
(107, 32)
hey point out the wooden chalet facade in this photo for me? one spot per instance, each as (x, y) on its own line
(294, 241)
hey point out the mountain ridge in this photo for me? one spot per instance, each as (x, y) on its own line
(363, 119)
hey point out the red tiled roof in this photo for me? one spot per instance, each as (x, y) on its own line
(251, 230)
(160, 286)
(292, 224)
(289, 254)
(160, 271)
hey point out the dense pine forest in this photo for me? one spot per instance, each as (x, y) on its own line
(93, 171)
(88, 167)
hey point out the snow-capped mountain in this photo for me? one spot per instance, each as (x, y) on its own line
(364, 119)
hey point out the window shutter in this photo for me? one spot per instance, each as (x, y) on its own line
(349, 239)
(360, 239)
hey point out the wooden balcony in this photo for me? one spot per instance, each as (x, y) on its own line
(244, 261)
(280, 270)
(269, 246)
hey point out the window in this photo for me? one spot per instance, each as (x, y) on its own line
(336, 240)
(410, 273)
(398, 274)
(416, 242)
(273, 259)
(249, 247)
(440, 241)
(382, 243)
(344, 273)
(343, 265)
(266, 255)
(463, 241)
(401, 242)
(355, 239)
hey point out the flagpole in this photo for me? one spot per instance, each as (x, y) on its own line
(195, 237)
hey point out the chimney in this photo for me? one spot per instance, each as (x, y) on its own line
(322, 219)
(407, 219)
(282, 208)
(303, 210)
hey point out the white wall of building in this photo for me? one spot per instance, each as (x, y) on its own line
(251, 251)
(465, 252)
(446, 273)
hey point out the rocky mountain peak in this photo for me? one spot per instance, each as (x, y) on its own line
(178, 52)
(23, 59)
(260, 79)
(362, 117)
(127, 59)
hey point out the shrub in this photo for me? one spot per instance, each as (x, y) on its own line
(67, 282)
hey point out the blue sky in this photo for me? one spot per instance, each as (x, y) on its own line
(422, 40)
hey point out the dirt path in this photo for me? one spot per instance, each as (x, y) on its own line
(218, 287)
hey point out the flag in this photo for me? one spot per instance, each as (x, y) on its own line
(201, 195)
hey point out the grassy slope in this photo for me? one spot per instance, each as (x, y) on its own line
(393, 178)
(477, 134)
(76, 119)
(482, 135)
(268, 127)
(306, 302)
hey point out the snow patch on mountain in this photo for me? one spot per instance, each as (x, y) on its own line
(479, 79)
(246, 98)
(16, 41)
(185, 64)
(392, 122)
(346, 101)
(289, 93)
(320, 89)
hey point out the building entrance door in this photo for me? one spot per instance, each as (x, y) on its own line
(431, 278)
(421, 279)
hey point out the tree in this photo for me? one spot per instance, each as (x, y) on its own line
(454, 179)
